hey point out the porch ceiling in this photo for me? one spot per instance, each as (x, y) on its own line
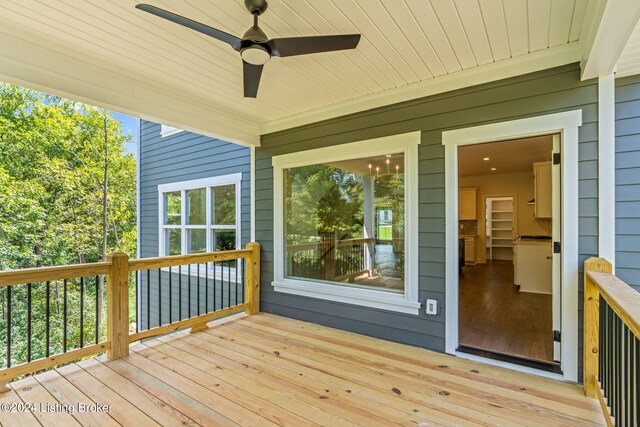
(110, 54)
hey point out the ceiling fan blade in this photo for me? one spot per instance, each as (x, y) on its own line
(293, 46)
(251, 76)
(234, 41)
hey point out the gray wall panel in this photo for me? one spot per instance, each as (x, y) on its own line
(182, 157)
(544, 92)
(628, 180)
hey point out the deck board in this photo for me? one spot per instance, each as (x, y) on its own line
(268, 370)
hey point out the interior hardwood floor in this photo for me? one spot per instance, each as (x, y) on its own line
(267, 370)
(494, 316)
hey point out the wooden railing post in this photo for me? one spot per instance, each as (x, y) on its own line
(252, 281)
(118, 305)
(591, 324)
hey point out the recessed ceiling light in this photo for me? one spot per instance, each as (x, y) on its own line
(493, 169)
(486, 159)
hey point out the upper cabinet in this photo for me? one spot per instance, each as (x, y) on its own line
(542, 189)
(467, 203)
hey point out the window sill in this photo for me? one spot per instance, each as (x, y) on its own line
(344, 294)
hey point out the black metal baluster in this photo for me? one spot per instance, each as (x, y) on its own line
(206, 287)
(180, 293)
(244, 278)
(97, 299)
(229, 283)
(81, 312)
(170, 297)
(601, 342)
(214, 285)
(48, 322)
(189, 289)
(137, 279)
(235, 274)
(8, 326)
(159, 297)
(29, 289)
(64, 316)
(198, 287)
(148, 299)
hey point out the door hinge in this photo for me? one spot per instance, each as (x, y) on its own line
(556, 158)
(557, 336)
(556, 247)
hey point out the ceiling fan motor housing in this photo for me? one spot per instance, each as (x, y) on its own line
(256, 7)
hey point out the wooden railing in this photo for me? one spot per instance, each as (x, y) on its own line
(118, 272)
(611, 343)
(330, 259)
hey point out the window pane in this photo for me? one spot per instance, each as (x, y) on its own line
(172, 208)
(344, 222)
(196, 241)
(224, 240)
(196, 206)
(172, 241)
(224, 205)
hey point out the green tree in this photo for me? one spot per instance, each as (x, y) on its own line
(53, 157)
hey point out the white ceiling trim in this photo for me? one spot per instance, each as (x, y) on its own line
(541, 60)
(26, 63)
(605, 45)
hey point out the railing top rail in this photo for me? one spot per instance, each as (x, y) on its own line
(177, 260)
(622, 298)
(44, 274)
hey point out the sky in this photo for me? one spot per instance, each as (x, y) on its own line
(130, 127)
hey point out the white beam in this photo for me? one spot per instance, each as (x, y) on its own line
(606, 168)
(70, 75)
(608, 36)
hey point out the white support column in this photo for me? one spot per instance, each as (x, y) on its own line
(369, 220)
(606, 169)
(252, 168)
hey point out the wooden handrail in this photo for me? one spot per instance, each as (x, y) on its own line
(43, 274)
(601, 285)
(176, 260)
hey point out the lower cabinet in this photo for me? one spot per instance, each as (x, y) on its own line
(470, 250)
(533, 267)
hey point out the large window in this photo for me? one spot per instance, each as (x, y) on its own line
(343, 221)
(329, 218)
(200, 216)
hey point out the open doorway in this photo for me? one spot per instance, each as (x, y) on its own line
(506, 198)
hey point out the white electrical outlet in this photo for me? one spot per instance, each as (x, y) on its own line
(431, 307)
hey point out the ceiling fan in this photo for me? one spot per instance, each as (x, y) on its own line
(255, 48)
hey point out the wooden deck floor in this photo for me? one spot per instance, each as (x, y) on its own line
(267, 370)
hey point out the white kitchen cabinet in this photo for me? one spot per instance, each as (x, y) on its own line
(533, 266)
(543, 189)
(470, 250)
(467, 203)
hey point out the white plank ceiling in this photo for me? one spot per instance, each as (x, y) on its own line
(629, 62)
(404, 42)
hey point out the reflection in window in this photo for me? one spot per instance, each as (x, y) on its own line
(344, 222)
(224, 204)
(172, 208)
(224, 240)
(196, 206)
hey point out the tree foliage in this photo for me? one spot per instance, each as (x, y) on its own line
(51, 163)
(52, 160)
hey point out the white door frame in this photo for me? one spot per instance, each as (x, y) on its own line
(566, 124)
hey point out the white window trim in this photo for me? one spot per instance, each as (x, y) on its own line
(407, 302)
(183, 186)
(566, 124)
(166, 130)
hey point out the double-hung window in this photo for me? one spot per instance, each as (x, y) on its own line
(345, 223)
(200, 216)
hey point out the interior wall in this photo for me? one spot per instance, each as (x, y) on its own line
(519, 185)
